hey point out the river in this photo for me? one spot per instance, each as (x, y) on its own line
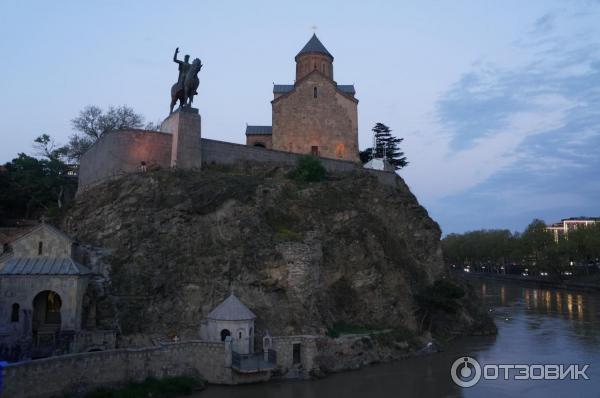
(535, 326)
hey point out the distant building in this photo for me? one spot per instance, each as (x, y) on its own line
(315, 115)
(561, 229)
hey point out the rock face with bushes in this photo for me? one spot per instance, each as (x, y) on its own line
(302, 255)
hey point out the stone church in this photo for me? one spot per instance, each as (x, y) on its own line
(42, 302)
(315, 115)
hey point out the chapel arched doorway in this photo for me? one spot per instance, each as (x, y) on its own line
(224, 334)
(46, 320)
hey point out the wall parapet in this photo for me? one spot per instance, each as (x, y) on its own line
(79, 373)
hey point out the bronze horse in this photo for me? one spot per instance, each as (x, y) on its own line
(185, 91)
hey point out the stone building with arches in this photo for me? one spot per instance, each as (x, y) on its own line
(42, 291)
(315, 115)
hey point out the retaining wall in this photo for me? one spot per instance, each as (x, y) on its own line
(122, 151)
(77, 373)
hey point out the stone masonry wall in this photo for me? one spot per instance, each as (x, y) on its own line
(120, 152)
(228, 153)
(57, 376)
(284, 346)
(22, 289)
(53, 244)
(329, 121)
(108, 157)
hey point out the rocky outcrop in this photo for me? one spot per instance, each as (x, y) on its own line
(302, 256)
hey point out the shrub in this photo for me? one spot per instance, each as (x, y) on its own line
(308, 169)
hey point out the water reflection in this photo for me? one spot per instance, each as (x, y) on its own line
(535, 326)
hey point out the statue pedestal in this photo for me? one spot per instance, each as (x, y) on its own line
(185, 125)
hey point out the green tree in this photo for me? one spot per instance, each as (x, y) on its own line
(386, 145)
(36, 185)
(537, 242)
(33, 186)
(309, 169)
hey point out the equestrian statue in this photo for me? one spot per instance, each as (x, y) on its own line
(187, 82)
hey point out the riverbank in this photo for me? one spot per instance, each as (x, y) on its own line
(531, 281)
(534, 326)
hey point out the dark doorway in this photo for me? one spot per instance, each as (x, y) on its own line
(14, 315)
(224, 334)
(296, 357)
(46, 317)
(314, 150)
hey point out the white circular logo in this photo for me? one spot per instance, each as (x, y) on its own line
(465, 372)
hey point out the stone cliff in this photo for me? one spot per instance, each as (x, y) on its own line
(302, 256)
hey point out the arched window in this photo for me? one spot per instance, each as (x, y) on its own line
(14, 315)
(240, 335)
(224, 334)
(40, 248)
(259, 144)
(315, 92)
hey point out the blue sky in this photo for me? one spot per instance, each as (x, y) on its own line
(498, 102)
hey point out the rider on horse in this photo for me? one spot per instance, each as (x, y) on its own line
(182, 90)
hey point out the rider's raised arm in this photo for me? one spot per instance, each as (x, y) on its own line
(175, 56)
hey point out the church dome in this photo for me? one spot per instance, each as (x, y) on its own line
(231, 309)
(314, 46)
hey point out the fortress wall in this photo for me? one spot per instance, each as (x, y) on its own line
(122, 151)
(228, 153)
(57, 376)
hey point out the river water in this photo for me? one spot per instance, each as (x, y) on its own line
(535, 326)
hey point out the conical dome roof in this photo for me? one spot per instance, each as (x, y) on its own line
(231, 309)
(314, 45)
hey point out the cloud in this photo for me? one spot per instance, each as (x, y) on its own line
(545, 24)
(517, 140)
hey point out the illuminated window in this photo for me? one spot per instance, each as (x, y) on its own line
(339, 150)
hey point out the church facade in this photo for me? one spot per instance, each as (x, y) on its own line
(315, 115)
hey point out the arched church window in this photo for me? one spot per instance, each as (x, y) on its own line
(14, 315)
(40, 248)
(315, 92)
(240, 335)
